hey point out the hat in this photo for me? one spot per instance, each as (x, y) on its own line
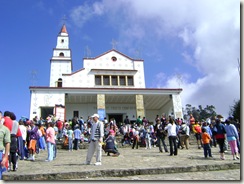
(95, 115)
(28, 122)
(219, 116)
(231, 118)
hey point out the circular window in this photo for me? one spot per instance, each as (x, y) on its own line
(114, 58)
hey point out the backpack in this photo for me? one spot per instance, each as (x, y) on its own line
(161, 130)
(183, 130)
(13, 144)
(198, 129)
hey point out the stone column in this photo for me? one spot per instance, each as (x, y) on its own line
(101, 106)
(140, 111)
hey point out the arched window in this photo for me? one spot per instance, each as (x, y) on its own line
(60, 81)
(61, 54)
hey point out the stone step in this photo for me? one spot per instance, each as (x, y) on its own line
(69, 165)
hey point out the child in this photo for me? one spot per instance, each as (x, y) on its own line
(154, 139)
(70, 138)
(147, 138)
(65, 136)
(206, 143)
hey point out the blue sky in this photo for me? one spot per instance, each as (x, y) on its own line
(189, 44)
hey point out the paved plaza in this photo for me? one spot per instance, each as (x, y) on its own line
(132, 164)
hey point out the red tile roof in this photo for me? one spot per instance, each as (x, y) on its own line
(63, 29)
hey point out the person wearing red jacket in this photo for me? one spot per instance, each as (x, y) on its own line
(7, 121)
(60, 129)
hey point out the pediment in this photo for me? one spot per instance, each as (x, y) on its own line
(113, 54)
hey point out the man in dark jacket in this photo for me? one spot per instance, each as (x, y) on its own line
(161, 134)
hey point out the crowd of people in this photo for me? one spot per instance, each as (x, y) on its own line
(25, 138)
(176, 132)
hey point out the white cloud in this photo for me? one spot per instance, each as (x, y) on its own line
(211, 29)
(83, 13)
(207, 91)
(209, 33)
(98, 8)
(186, 36)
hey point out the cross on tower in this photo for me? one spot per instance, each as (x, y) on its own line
(138, 53)
(33, 77)
(179, 79)
(87, 52)
(64, 18)
(114, 43)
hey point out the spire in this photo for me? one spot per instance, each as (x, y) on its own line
(63, 29)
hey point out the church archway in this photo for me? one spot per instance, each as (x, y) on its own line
(60, 82)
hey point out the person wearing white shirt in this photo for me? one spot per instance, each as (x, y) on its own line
(23, 131)
(172, 135)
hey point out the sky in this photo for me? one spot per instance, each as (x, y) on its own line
(193, 45)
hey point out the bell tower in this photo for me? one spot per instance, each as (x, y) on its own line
(61, 61)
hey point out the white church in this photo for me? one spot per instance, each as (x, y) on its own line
(111, 84)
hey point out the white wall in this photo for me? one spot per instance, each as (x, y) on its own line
(44, 99)
(85, 77)
(85, 110)
(57, 69)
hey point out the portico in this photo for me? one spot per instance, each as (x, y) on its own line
(130, 102)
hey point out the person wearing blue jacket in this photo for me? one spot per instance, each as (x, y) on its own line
(219, 133)
(232, 138)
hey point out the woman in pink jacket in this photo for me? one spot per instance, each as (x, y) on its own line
(50, 139)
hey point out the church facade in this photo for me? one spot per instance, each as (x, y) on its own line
(111, 84)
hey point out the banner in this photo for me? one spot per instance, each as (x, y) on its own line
(59, 112)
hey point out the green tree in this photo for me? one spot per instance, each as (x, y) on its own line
(207, 112)
(200, 113)
(235, 110)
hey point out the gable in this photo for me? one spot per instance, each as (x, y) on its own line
(115, 52)
(112, 60)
